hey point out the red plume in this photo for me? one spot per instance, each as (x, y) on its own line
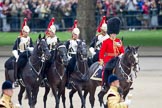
(75, 24)
(50, 23)
(23, 24)
(102, 22)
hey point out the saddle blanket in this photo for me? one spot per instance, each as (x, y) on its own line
(97, 74)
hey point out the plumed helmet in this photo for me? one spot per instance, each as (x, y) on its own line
(52, 28)
(7, 85)
(112, 78)
(113, 25)
(26, 29)
(102, 25)
(75, 30)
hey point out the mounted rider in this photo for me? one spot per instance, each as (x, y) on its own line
(21, 50)
(52, 40)
(96, 43)
(71, 46)
(111, 50)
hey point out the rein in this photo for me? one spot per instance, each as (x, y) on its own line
(128, 77)
(40, 70)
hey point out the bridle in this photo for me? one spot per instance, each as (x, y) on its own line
(127, 77)
(81, 58)
(41, 59)
(57, 49)
(59, 62)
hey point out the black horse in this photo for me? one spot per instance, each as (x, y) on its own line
(80, 69)
(56, 75)
(122, 69)
(31, 74)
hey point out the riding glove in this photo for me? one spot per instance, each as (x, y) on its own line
(15, 53)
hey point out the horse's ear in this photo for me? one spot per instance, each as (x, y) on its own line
(127, 48)
(44, 37)
(39, 37)
(137, 48)
(79, 42)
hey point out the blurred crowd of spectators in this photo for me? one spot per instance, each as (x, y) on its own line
(38, 12)
(133, 13)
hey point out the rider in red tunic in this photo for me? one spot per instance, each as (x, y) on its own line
(111, 49)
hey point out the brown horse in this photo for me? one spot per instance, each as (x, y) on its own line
(123, 69)
(31, 74)
(56, 75)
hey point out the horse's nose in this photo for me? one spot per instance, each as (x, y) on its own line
(66, 62)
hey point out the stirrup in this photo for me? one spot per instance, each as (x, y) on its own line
(104, 88)
(16, 83)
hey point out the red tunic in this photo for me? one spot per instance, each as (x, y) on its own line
(109, 49)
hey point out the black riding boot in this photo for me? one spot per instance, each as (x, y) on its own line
(16, 83)
(105, 85)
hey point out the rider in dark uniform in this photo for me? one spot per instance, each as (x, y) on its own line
(21, 50)
(71, 46)
(96, 43)
(52, 40)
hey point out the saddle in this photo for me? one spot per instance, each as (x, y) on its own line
(97, 75)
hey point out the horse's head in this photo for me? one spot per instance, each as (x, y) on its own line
(133, 57)
(82, 50)
(42, 48)
(61, 54)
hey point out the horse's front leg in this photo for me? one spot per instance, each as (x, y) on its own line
(85, 95)
(56, 96)
(71, 96)
(47, 89)
(82, 98)
(29, 95)
(20, 95)
(100, 96)
(34, 94)
(92, 96)
(63, 98)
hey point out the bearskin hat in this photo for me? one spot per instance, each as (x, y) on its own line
(113, 25)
